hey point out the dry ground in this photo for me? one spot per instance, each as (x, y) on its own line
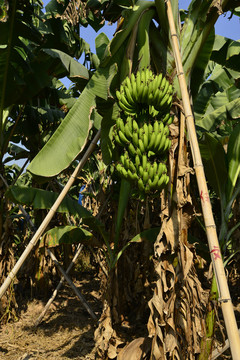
(66, 332)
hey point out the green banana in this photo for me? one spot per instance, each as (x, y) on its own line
(135, 126)
(164, 101)
(170, 121)
(135, 138)
(151, 172)
(152, 140)
(141, 146)
(161, 181)
(117, 139)
(145, 177)
(160, 170)
(158, 142)
(127, 131)
(144, 161)
(140, 170)
(149, 130)
(162, 143)
(122, 137)
(132, 167)
(156, 126)
(122, 159)
(143, 76)
(134, 87)
(166, 118)
(137, 161)
(127, 110)
(155, 167)
(120, 124)
(131, 149)
(124, 100)
(140, 185)
(129, 95)
(130, 123)
(155, 181)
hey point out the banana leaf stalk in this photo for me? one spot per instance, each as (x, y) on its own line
(223, 290)
(49, 217)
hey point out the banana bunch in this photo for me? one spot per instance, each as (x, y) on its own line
(142, 129)
(146, 138)
(145, 89)
(148, 176)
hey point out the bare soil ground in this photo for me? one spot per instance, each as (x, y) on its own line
(66, 332)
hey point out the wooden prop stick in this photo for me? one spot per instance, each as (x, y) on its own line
(77, 292)
(49, 216)
(52, 298)
(224, 295)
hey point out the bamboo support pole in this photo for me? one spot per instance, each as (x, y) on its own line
(53, 297)
(77, 292)
(49, 216)
(224, 295)
(219, 351)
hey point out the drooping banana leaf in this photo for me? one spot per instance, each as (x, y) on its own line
(226, 52)
(65, 235)
(222, 106)
(71, 136)
(42, 199)
(215, 163)
(217, 100)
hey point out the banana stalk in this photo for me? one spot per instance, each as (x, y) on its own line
(207, 341)
(122, 204)
(143, 39)
(126, 29)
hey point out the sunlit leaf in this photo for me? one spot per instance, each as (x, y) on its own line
(233, 156)
(65, 235)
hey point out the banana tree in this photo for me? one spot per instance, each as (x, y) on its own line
(143, 40)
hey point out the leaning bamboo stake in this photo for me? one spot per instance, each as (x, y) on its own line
(224, 295)
(49, 216)
(54, 294)
(75, 289)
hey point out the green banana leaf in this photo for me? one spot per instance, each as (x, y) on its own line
(71, 136)
(218, 111)
(42, 199)
(215, 163)
(226, 52)
(65, 235)
(195, 33)
(218, 99)
(146, 235)
(233, 156)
